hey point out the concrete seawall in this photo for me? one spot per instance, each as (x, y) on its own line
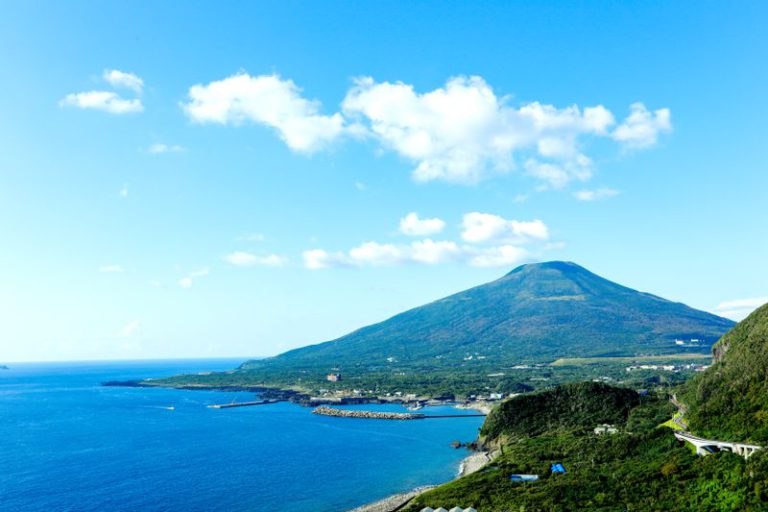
(346, 413)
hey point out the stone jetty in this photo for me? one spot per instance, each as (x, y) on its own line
(347, 413)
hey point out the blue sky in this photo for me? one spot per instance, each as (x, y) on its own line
(197, 179)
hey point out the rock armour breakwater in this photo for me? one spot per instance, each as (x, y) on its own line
(346, 413)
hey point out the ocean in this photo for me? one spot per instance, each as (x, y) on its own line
(69, 444)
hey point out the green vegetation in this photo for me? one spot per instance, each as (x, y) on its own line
(642, 468)
(730, 401)
(567, 407)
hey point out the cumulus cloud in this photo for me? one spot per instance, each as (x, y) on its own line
(430, 252)
(106, 101)
(246, 259)
(461, 132)
(268, 100)
(595, 195)
(413, 225)
(740, 308)
(501, 256)
(157, 149)
(491, 241)
(424, 252)
(642, 127)
(486, 227)
(111, 269)
(121, 79)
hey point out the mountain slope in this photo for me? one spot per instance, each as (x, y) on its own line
(537, 312)
(730, 400)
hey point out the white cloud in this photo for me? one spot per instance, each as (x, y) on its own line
(373, 253)
(431, 253)
(157, 149)
(106, 101)
(118, 79)
(318, 258)
(268, 100)
(559, 174)
(642, 127)
(111, 269)
(740, 308)
(501, 256)
(123, 192)
(246, 259)
(186, 282)
(595, 195)
(413, 225)
(485, 227)
(424, 252)
(359, 185)
(129, 329)
(463, 132)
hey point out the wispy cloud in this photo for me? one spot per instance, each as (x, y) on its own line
(246, 259)
(191, 277)
(129, 329)
(109, 101)
(595, 195)
(111, 269)
(123, 192)
(157, 149)
(106, 101)
(740, 308)
(251, 237)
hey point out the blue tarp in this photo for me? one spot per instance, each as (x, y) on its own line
(558, 468)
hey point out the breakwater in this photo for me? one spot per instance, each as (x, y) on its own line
(347, 413)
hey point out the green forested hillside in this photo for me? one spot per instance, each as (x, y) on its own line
(641, 468)
(570, 406)
(730, 400)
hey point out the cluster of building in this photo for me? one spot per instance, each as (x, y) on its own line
(669, 367)
(605, 428)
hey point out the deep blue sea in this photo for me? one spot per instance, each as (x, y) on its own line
(69, 444)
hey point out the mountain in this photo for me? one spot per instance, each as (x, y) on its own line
(730, 400)
(537, 312)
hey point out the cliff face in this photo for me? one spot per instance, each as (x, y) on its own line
(730, 400)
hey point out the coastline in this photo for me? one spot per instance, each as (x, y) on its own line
(470, 464)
